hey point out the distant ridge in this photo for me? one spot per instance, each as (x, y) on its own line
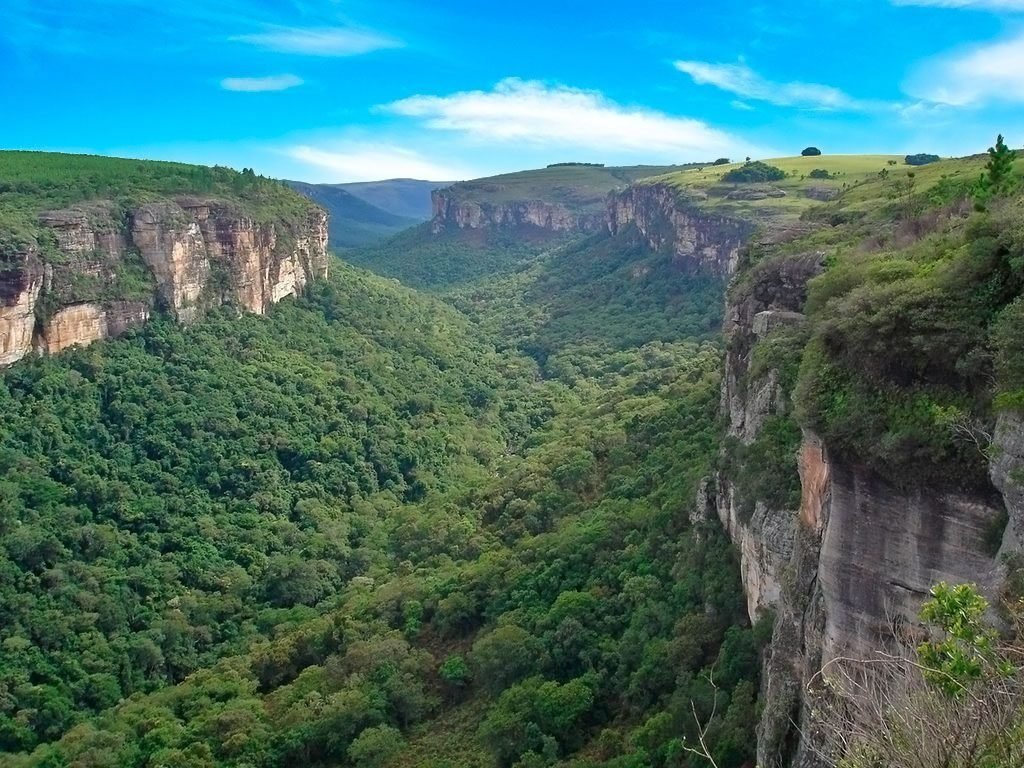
(408, 198)
(353, 221)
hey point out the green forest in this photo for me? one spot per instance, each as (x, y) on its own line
(377, 527)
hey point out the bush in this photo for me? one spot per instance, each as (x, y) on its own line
(754, 172)
(811, 152)
(375, 746)
(722, 161)
(921, 159)
(820, 173)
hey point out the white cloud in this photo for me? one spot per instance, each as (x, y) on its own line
(320, 41)
(990, 5)
(988, 73)
(558, 116)
(741, 80)
(259, 84)
(371, 162)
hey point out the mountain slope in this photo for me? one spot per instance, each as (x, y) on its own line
(353, 221)
(407, 198)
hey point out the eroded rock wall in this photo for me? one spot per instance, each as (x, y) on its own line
(847, 571)
(108, 270)
(449, 212)
(698, 239)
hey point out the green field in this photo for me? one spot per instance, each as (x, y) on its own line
(848, 172)
(571, 184)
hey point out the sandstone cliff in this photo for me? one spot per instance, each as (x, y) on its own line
(98, 270)
(452, 212)
(845, 570)
(697, 238)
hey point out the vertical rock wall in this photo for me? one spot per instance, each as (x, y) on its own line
(194, 253)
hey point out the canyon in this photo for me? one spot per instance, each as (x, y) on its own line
(842, 573)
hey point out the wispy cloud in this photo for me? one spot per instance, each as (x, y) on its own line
(320, 41)
(260, 84)
(741, 80)
(369, 162)
(988, 73)
(987, 5)
(538, 114)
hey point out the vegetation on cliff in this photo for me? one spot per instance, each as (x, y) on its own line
(910, 333)
(33, 182)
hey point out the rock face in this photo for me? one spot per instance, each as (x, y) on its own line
(86, 323)
(847, 571)
(112, 270)
(452, 213)
(696, 238)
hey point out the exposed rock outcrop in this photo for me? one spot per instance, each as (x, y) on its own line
(20, 284)
(849, 570)
(450, 212)
(112, 269)
(88, 322)
(667, 220)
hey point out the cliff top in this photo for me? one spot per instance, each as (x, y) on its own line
(576, 185)
(858, 178)
(34, 182)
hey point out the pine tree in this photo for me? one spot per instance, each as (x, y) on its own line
(998, 176)
(1000, 165)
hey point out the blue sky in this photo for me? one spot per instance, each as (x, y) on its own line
(342, 90)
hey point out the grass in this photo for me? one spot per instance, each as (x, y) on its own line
(584, 186)
(846, 171)
(33, 182)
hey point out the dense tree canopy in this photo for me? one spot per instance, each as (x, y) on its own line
(371, 529)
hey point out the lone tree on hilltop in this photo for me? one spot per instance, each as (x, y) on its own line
(722, 161)
(1000, 165)
(811, 152)
(998, 176)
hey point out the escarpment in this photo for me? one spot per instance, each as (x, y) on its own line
(97, 269)
(666, 220)
(845, 557)
(452, 212)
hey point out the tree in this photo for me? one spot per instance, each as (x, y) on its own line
(754, 172)
(811, 152)
(455, 671)
(921, 159)
(722, 161)
(504, 656)
(375, 746)
(1000, 166)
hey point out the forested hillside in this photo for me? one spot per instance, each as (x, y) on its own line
(372, 529)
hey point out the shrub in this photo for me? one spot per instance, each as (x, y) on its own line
(820, 173)
(754, 172)
(722, 161)
(811, 152)
(375, 746)
(921, 159)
